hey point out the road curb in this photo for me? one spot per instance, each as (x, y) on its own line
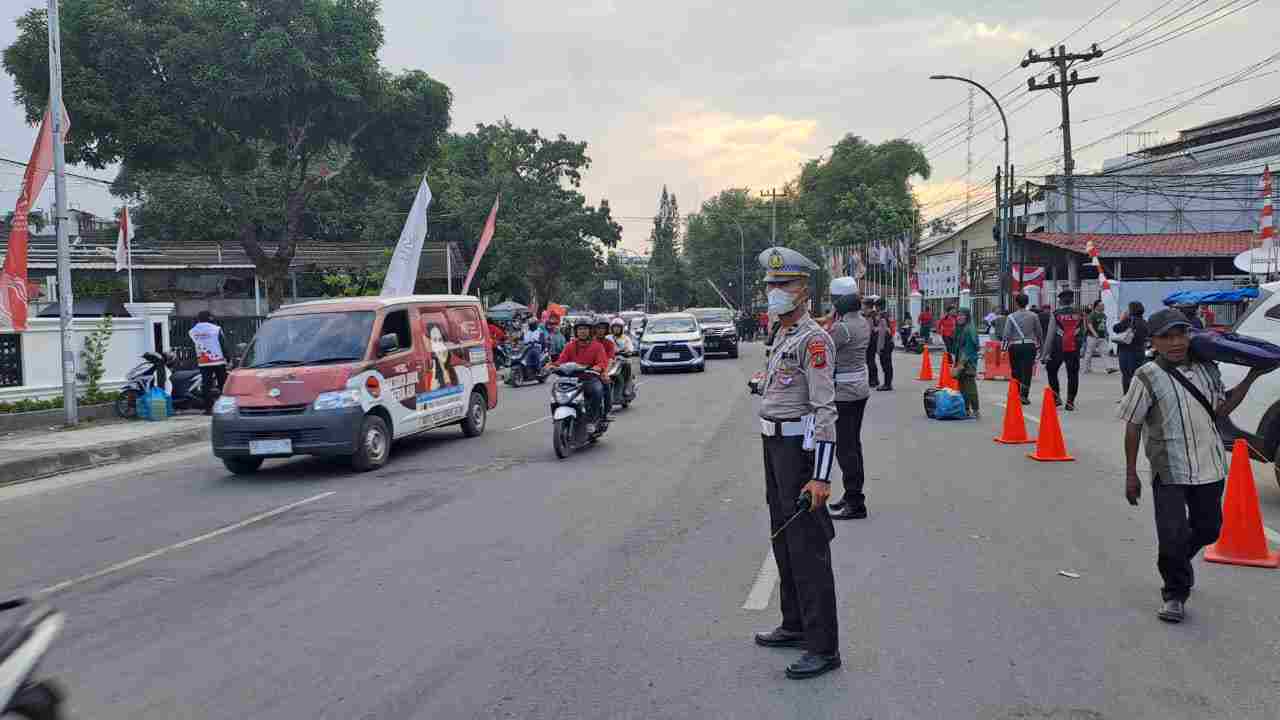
(28, 469)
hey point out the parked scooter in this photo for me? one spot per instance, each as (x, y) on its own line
(22, 647)
(622, 383)
(187, 392)
(569, 413)
(530, 365)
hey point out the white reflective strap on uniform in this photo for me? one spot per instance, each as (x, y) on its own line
(823, 454)
(852, 376)
(810, 426)
(769, 428)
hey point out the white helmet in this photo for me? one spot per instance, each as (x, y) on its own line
(617, 322)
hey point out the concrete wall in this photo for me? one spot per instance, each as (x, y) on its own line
(42, 350)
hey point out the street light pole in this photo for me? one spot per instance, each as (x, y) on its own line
(742, 267)
(1001, 219)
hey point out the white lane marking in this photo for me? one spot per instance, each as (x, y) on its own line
(762, 590)
(531, 422)
(184, 544)
(1272, 535)
(109, 472)
(1025, 416)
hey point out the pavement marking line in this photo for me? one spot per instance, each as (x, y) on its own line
(1025, 416)
(762, 590)
(1272, 535)
(184, 544)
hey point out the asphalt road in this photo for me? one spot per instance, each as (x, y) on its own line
(484, 578)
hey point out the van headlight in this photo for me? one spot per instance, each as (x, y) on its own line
(225, 405)
(336, 400)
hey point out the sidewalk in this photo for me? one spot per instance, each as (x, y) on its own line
(36, 454)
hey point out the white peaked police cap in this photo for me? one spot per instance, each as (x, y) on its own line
(844, 286)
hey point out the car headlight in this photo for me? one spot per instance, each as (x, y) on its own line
(646, 346)
(225, 405)
(336, 400)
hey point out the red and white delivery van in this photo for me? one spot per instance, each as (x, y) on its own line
(347, 377)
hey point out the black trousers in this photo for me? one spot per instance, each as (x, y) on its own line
(872, 371)
(1188, 517)
(1072, 361)
(849, 449)
(886, 365)
(207, 374)
(1022, 358)
(807, 586)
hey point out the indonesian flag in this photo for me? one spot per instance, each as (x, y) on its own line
(124, 242)
(13, 278)
(486, 235)
(1267, 223)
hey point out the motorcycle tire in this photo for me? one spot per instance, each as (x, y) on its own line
(126, 405)
(562, 438)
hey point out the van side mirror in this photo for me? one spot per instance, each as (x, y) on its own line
(388, 344)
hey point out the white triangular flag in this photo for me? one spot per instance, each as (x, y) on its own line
(402, 273)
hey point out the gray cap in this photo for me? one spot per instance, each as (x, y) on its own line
(1166, 320)
(783, 265)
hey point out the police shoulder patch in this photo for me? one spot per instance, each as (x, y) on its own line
(817, 351)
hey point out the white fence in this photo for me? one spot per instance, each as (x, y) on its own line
(42, 350)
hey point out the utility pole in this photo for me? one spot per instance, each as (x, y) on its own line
(773, 227)
(1062, 83)
(65, 299)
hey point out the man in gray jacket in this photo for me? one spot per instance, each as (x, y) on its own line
(851, 335)
(1024, 335)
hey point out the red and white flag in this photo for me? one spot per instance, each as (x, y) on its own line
(486, 235)
(13, 278)
(124, 242)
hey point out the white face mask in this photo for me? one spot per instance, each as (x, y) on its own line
(781, 302)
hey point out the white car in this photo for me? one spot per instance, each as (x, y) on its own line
(1260, 412)
(672, 341)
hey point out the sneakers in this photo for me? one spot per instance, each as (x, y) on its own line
(1071, 406)
(1172, 611)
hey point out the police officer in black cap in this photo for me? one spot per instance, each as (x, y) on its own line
(798, 429)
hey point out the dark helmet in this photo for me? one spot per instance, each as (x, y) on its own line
(600, 321)
(847, 303)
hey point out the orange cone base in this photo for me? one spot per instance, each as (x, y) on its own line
(1271, 560)
(1028, 441)
(1064, 458)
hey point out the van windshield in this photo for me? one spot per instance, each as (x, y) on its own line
(310, 339)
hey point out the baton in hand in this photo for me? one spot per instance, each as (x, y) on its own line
(803, 504)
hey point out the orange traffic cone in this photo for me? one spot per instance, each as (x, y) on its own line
(1015, 427)
(1050, 447)
(944, 378)
(926, 367)
(1242, 541)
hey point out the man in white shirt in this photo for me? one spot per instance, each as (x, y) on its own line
(209, 341)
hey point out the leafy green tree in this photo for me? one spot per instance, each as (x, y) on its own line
(671, 280)
(721, 244)
(862, 192)
(548, 238)
(262, 101)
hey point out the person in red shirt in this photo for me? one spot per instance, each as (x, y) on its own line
(947, 328)
(1208, 317)
(925, 320)
(497, 335)
(586, 351)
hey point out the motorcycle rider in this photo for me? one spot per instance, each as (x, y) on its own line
(534, 340)
(625, 347)
(589, 353)
(600, 328)
(555, 339)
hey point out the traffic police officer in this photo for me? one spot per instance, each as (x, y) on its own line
(798, 425)
(850, 335)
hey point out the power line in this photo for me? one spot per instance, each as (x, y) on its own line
(70, 174)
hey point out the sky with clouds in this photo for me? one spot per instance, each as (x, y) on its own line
(703, 95)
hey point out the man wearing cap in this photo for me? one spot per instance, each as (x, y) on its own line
(798, 429)
(851, 334)
(1062, 345)
(1174, 400)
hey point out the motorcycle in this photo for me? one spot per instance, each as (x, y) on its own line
(22, 647)
(622, 384)
(501, 356)
(569, 414)
(186, 385)
(530, 365)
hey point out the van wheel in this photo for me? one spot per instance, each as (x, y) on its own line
(477, 413)
(242, 465)
(374, 444)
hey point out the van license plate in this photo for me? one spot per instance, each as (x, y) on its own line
(670, 356)
(270, 447)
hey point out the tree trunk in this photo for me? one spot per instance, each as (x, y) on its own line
(273, 269)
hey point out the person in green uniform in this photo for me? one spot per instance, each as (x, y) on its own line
(966, 372)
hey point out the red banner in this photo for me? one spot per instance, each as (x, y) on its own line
(485, 236)
(13, 279)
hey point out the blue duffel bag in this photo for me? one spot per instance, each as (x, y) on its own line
(1234, 349)
(948, 405)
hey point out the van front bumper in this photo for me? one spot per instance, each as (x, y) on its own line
(312, 432)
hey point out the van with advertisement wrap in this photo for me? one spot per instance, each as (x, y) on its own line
(348, 377)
